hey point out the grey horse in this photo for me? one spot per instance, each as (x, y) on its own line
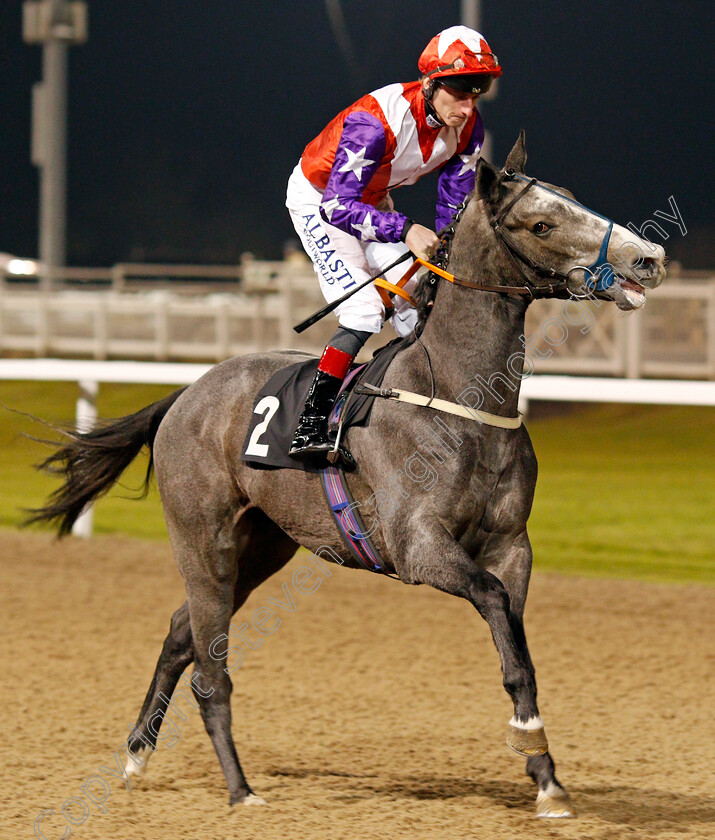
(447, 504)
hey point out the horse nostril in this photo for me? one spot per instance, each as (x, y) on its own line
(650, 271)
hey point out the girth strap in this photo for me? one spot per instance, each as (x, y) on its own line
(350, 524)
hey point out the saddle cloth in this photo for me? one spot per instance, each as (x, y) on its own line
(277, 408)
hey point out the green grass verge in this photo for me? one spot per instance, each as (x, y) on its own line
(627, 491)
(23, 487)
(624, 491)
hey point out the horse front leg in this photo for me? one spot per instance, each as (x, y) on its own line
(514, 571)
(488, 595)
(458, 574)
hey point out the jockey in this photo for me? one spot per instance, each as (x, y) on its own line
(340, 203)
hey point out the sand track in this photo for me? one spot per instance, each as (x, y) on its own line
(375, 710)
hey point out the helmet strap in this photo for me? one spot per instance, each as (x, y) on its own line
(433, 121)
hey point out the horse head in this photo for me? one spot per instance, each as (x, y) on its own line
(548, 236)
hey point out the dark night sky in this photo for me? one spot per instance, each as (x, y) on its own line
(186, 118)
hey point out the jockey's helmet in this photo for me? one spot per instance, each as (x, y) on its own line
(461, 59)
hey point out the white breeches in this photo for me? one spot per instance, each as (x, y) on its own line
(343, 262)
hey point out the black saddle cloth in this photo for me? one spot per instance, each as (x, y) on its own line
(278, 405)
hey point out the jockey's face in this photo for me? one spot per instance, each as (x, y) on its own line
(452, 106)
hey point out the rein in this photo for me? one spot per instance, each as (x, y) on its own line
(530, 291)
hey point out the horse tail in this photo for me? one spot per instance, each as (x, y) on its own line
(93, 461)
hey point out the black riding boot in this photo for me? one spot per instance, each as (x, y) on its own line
(311, 435)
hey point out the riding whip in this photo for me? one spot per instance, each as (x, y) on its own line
(321, 313)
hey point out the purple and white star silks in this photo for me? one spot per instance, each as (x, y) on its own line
(359, 155)
(356, 162)
(357, 158)
(367, 229)
(329, 207)
(469, 162)
(456, 180)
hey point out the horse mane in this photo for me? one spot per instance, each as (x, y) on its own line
(426, 290)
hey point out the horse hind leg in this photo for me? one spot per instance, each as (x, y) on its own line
(267, 551)
(176, 655)
(260, 548)
(551, 800)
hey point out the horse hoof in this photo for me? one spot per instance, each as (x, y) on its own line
(527, 738)
(252, 799)
(135, 767)
(554, 803)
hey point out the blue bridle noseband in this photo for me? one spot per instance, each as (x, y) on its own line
(601, 270)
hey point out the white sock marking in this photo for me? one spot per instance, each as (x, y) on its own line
(532, 723)
(132, 767)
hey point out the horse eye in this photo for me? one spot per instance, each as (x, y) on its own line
(541, 227)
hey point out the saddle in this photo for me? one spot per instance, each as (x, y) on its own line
(278, 404)
(276, 409)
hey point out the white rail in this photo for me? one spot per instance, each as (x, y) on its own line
(69, 370)
(88, 375)
(602, 389)
(673, 336)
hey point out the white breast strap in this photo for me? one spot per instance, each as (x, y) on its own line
(441, 405)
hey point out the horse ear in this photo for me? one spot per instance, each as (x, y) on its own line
(487, 182)
(517, 156)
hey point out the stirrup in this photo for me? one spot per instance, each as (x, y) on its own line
(342, 457)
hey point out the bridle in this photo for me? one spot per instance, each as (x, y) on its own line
(600, 273)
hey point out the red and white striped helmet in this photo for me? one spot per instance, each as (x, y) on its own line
(458, 51)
